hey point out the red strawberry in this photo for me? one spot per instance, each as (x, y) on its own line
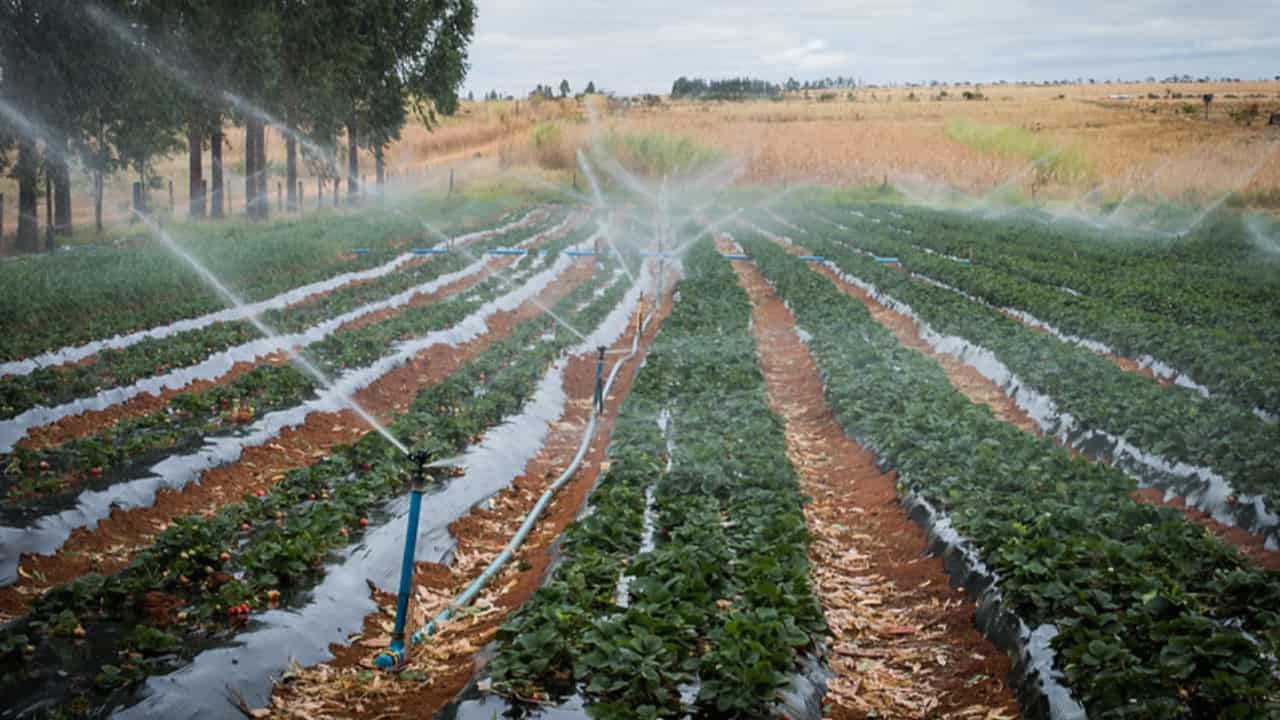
(244, 527)
(259, 492)
(95, 471)
(364, 522)
(225, 556)
(365, 467)
(342, 531)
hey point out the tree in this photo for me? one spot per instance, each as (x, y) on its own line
(591, 88)
(564, 88)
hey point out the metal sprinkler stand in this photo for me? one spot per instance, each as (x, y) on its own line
(598, 394)
(394, 656)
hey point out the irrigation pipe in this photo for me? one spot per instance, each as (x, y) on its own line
(513, 545)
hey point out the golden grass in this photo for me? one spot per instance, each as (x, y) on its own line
(1137, 144)
(1142, 144)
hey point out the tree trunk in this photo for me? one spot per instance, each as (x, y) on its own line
(28, 219)
(215, 162)
(195, 171)
(260, 144)
(379, 167)
(292, 201)
(62, 196)
(48, 203)
(353, 167)
(97, 200)
(250, 167)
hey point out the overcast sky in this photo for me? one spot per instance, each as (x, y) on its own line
(633, 47)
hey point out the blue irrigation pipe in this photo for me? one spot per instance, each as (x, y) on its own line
(508, 251)
(513, 545)
(887, 260)
(813, 258)
(734, 256)
(429, 251)
(360, 251)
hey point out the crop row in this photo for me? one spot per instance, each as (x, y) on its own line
(1233, 363)
(1212, 279)
(193, 417)
(49, 386)
(723, 599)
(1155, 617)
(269, 548)
(1174, 425)
(73, 298)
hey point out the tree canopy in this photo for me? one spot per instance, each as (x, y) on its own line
(118, 83)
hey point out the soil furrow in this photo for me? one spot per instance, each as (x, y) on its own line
(448, 661)
(110, 546)
(904, 641)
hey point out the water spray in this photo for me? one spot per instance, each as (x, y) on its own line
(298, 360)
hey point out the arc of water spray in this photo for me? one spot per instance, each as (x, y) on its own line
(306, 365)
(498, 275)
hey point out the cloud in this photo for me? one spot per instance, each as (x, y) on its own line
(643, 47)
(812, 56)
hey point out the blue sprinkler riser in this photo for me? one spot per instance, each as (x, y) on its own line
(813, 258)
(394, 655)
(513, 545)
(429, 251)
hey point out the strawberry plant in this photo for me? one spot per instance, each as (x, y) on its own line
(220, 573)
(1156, 618)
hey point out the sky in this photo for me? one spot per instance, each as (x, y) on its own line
(637, 47)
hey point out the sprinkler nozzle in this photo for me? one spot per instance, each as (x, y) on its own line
(420, 461)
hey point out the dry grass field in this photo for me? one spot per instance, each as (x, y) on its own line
(1115, 144)
(1060, 143)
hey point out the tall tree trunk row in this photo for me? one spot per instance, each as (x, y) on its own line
(62, 195)
(215, 162)
(353, 167)
(250, 168)
(28, 219)
(195, 171)
(260, 144)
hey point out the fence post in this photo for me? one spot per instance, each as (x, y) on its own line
(450, 181)
(301, 198)
(337, 188)
(280, 196)
(173, 209)
(319, 193)
(1, 221)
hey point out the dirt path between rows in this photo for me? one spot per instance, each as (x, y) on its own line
(904, 641)
(111, 545)
(978, 389)
(448, 662)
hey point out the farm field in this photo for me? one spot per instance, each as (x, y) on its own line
(863, 458)
(923, 363)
